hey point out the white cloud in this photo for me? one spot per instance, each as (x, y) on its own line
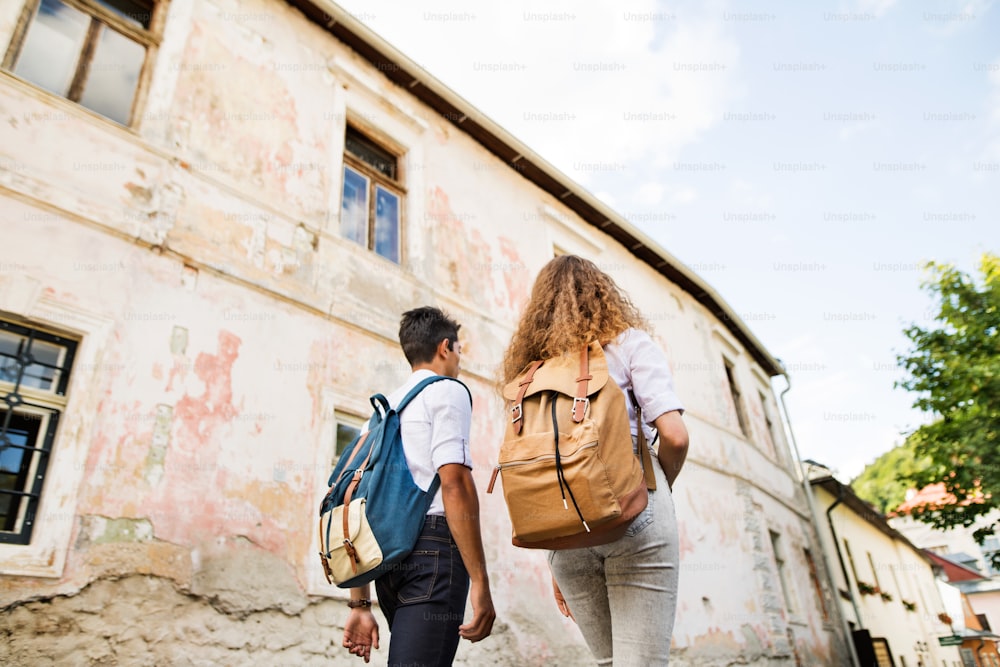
(876, 7)
(993, 145)
(592, 91)
(850, 130)
(650, 194)
(747, 195)
(683, 195)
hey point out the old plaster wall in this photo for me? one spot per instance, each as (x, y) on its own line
(238, 324)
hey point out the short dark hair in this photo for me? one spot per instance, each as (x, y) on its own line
(422, 329)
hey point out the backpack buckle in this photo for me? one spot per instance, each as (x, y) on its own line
(578, 416)
(516, 413)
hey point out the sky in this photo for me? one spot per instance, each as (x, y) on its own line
(805, 159)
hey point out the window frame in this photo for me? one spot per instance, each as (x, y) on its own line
(376, 179)
(349, 419)
(770, 438)
(780, 563)
(49, 407)
(149, 38)
(737, 396)
(817, 585)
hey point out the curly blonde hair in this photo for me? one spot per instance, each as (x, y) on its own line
(572, 303)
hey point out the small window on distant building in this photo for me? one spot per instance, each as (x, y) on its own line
(34, 374)
(372, 206)
(871, 563)
(883, 656)
(734, 391)
(91, 52)
(850, 559)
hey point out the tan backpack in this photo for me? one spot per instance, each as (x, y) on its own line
(570, 477)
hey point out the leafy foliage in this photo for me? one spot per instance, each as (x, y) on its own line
(954, 369)
(884, 482)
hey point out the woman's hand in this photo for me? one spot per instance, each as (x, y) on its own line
(561, 601)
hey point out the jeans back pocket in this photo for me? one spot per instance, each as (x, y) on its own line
(642, 521)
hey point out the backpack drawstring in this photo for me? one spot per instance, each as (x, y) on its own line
(563, 484)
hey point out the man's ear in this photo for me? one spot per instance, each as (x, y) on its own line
(443, 348)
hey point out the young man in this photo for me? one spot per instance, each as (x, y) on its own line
(423, 598)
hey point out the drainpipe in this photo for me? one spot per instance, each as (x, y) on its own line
(810, 500)
(978, 650)
(840, 556)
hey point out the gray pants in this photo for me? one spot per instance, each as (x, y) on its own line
(624, 594)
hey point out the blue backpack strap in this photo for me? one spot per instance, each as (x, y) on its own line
(422, 384)
(380, 404)
(436, 482)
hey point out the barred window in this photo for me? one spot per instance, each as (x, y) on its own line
(92, 52)
(34, 373)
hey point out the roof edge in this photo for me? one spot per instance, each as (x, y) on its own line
(864, 511)
(466, 117)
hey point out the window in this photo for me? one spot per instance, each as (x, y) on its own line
(770, 437)
(850, 559)
(817, 587)
(371, 208)
(734, 390)
(34, 373)
(871, 563)
(779, 560)
(883, 656)
(92, 52)
(348, 428)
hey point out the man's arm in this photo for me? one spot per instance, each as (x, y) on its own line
(461, 507)
(673, 444)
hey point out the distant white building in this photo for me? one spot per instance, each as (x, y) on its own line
(887, 585)
(973, 572)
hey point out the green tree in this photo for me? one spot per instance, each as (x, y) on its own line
(954, 369)
(884, 481)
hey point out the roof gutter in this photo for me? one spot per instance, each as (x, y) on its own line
(459, 112)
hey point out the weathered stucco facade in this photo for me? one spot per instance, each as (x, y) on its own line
(225, 326)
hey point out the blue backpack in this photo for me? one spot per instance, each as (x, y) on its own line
(374, 512)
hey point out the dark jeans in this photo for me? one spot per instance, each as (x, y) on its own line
(423, 599)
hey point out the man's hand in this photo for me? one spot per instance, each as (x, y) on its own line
(561, 601)
(361, 633)
(483, 614)
(461, 506)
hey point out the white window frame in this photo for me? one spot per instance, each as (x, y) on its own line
(149, 38)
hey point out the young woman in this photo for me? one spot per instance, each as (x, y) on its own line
(623, 595)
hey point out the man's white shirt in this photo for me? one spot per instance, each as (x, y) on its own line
(435, 429)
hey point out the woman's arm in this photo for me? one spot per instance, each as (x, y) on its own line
(673, 444)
